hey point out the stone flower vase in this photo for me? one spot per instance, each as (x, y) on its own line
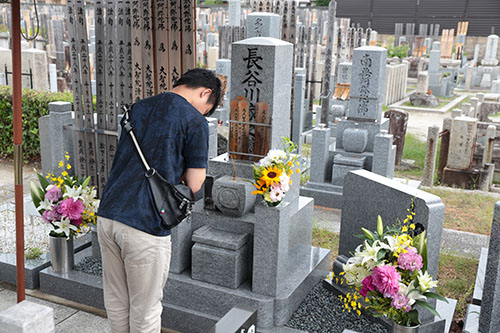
(405, 329)
(233, 197)
(62, 253)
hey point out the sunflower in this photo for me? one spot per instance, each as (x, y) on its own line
(271, 175)
(261, 187)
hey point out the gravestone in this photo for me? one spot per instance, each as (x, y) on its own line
(261, 73)
(422, 83)
(345, 73)
(234, 13)
(56, 136)
(490, 56)
(360, 137)
(367, 195)
(367, 84)
(398, 122)
(263, 25)
(462, 137)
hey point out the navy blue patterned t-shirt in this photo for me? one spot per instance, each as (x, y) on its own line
(173, 136)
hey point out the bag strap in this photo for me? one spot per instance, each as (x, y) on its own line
(127, 126)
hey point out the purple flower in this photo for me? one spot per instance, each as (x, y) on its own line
(53, 194)
(71, 209)
(410, 260)
(51, 215)
(386, 280)
(400, 302)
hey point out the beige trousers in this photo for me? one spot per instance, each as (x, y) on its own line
(135, 268)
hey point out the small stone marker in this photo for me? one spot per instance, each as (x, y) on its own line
(430, 156)
(423, 83)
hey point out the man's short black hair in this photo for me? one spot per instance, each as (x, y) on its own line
(202, 78)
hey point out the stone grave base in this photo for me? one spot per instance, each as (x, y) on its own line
(33, 266)
(195, 306)
(324, 194)
(438, 325)
(466, 179)
(75, 286)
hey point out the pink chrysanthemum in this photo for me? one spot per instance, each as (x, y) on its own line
(386, 280)
(400, 302)
(71, 209)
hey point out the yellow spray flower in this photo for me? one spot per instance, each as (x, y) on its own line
(68, 166)
(64, 173)
(61, 164)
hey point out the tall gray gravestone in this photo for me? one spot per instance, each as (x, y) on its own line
(260, 72)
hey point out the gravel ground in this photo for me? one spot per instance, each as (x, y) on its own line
(321, 312)
(90, 265)
(36, 231)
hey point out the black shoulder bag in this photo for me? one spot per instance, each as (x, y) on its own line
(173, 203)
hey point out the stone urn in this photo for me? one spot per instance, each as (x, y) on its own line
(233, 196)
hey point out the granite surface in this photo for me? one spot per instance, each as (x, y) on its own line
(367, 195)
(219, 266)
(224, 239)
(489, 320)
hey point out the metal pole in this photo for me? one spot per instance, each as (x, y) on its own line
(18, 144)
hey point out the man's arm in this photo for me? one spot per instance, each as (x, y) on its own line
(195, 178)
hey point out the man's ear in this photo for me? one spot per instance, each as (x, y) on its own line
(206, 93)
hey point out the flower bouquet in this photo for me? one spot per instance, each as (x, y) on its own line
(66, 202)
(272, 173)
(388, 273)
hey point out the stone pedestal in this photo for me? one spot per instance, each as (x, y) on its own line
(27, 317)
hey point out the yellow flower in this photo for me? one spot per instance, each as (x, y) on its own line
(64, 173)
(68, 166)
(404, 229)
(297, 170)
(290, 163)
(61, 164)
(271, 175)
(412, 226)
(54, 179)
(298, 163)
(67, 157)
(358, 312)
(261, 187)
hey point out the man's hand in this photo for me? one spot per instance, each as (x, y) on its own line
(195, 178)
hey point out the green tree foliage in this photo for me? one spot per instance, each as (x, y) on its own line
(35, 104)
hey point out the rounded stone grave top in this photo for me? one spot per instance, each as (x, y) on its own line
(264, 41)
(260, 14)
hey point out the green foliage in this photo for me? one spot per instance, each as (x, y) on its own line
(324, 3)
(35, 104)
(33, 253)
(400, 51)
